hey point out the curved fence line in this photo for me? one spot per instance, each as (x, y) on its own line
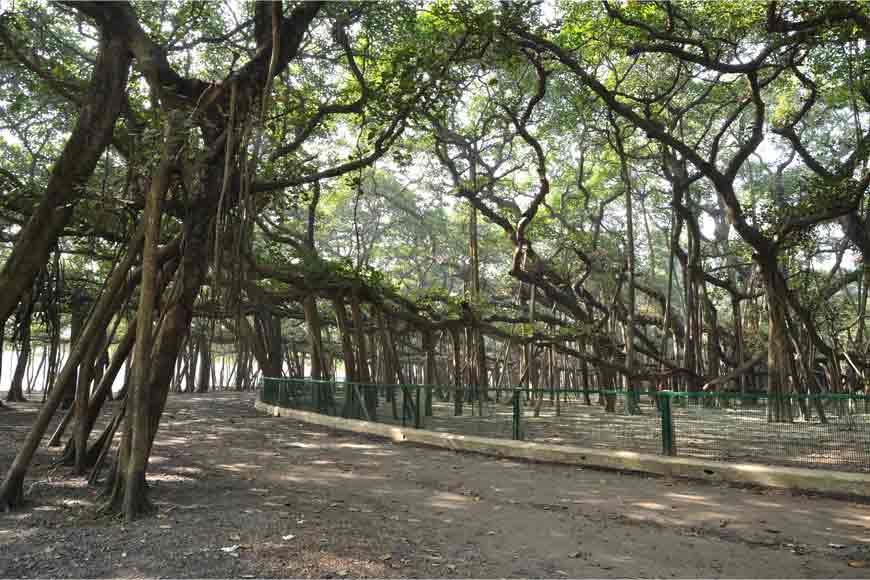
(808, 430)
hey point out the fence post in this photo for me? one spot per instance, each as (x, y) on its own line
(668, 446)
(317, 394)
(418, 414)
(517, 428)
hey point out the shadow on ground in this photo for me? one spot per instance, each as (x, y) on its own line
(240, 494)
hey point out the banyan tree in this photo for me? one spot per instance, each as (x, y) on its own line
(636, 196)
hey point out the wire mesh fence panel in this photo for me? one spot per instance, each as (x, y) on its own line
(481, 414)
(828, 431)
(825, 430)
(604, 419)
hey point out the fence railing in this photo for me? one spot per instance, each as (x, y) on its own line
(812, 430)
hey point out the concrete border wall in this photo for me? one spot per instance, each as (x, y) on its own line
(814, 480)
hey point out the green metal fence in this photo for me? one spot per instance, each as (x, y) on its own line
(810, 430)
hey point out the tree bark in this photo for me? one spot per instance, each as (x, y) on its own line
(16, 392)
(90, 136)
(11, 491)
(202, 380)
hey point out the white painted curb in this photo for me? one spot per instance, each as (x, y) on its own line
(815, 480)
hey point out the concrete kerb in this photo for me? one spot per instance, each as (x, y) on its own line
(811, 480)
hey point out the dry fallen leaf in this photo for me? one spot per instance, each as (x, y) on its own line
(857, 563)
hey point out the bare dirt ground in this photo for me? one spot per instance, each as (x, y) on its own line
(243, 495)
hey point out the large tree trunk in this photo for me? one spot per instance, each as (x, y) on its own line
(265, 342)
(778, 344)
(174, 326)
(315, 338)
(135, 447)
(66, 185)
(352, 404)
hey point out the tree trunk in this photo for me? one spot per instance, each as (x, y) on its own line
(101, 393)
(370, 394)
(428, 369)
(631, 396)
(352, 406)
(83, 391)
(11, 493)
(16, 393)
(77, 320)
(202, 383)
(86, 143)
(458, 392)
(778, 345)
(130, 489)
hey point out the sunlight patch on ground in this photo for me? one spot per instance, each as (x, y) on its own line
(237, 467)
(171, 441)
(327, 478)
(379, 453)
(650, 505)
(77, 482)
(165, 477)
(356, 446)
(77, 503)
(17, 534)
(688, 497)
(186, 470)
(762, 503)
(855, 521)
(302, 445)
(448, 500)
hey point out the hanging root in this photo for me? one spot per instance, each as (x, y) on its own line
(101, 447)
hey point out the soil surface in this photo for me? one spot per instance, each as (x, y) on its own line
(242, 495)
